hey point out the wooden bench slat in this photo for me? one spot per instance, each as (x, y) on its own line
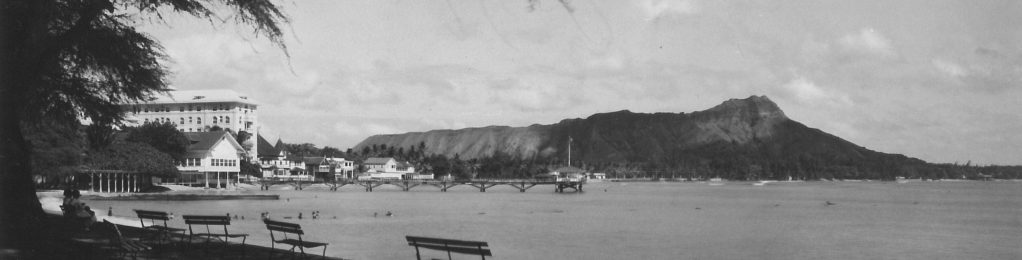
(463, 250)
(219, 235)
(305, 244)
(284, 227)
(282, 224)
(206, 220)
(145, 214)
(478, 248)
(431, 240)
(163, 228)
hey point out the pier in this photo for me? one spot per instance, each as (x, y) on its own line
(560, 185)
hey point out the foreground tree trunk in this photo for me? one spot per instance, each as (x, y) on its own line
(21, 215)
(20, 211)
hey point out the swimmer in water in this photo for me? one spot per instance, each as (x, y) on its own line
(390, 214)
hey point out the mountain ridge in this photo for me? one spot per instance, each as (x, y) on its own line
(749, 131)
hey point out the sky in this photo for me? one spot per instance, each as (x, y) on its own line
(932, 79)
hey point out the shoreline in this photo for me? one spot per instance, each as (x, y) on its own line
(185, 197)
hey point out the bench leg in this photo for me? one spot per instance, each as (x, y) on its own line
(273, 245)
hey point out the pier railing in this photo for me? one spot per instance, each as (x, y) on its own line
(443, 185)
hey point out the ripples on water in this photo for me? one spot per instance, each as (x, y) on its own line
(871, 220)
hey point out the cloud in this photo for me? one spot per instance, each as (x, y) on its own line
(950, 68)
(530, 94)
(656, 9)
(984, 69)
(868, 40)
(376, 128)
(805, 91)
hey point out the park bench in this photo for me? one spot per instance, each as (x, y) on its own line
(159, 231)
(296, 240)
(216, 222)
(450, 245)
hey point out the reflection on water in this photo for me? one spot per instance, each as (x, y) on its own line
(963, 220)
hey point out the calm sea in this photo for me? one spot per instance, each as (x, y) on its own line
(864, 220)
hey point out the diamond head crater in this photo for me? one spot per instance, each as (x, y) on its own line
(739, 139)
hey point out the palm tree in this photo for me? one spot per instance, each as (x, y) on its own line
(67, 60)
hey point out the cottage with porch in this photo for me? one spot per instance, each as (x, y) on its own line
(212, 161)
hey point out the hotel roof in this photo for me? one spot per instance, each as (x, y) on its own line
(201, 96)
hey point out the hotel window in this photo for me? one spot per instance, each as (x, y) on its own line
(182, 108)
(227, 120)
(189, 129)
(146, 121)
(189, 120)
(198, 120)
(214, 120)
(182, 120)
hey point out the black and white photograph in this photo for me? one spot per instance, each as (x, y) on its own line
(510, 129)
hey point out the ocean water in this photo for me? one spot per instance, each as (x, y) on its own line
(864, 220)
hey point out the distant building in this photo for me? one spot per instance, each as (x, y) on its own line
(212, 161)
(318, 167)
(569, 173)
(388, 168)
(198, 111)
(276, 163)
(342, 169)
(380, 164)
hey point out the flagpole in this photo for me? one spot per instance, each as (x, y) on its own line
(569, 150)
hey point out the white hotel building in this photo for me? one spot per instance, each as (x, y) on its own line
(198, 111)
